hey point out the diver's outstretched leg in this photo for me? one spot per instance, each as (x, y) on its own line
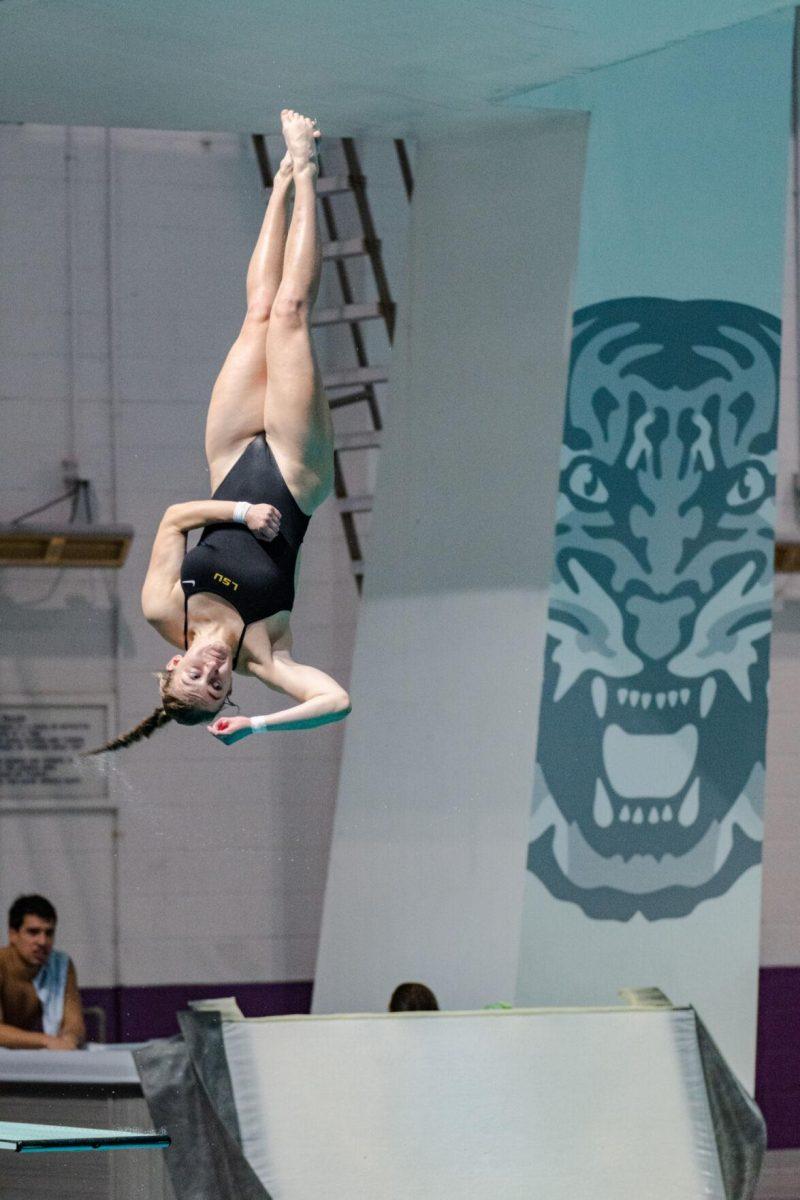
(236, 411)
(297, 420)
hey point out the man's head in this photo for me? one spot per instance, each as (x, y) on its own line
(32, 929)
(413, 997)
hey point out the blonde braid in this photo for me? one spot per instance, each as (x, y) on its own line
(142, 730)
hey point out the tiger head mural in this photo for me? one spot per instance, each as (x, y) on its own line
(650, 773)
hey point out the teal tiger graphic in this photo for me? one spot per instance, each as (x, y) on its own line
(650, 776)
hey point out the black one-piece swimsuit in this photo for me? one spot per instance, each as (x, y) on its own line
(255, 576)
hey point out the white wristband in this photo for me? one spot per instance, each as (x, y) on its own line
(259, 724)
(241, 510)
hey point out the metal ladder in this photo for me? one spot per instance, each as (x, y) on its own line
(353, 387)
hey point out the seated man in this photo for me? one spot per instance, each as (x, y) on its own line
(40, 1006)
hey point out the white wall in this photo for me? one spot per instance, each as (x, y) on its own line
(222, 852)
(427, 862)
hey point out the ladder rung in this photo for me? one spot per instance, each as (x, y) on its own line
(355, 504)
(347, 314)
(354, 377)
(351, 248)
(332, 185)
(335, 402)
(368, 439)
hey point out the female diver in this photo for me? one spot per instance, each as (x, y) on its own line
(269, 444)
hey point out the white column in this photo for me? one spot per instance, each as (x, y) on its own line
(427, 863)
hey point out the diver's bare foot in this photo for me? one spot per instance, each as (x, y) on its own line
(300, 133)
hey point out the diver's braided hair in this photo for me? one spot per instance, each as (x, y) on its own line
(142, 730)
(172, 709)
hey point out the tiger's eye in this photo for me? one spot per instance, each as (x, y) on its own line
(749, 487)
(585, 483)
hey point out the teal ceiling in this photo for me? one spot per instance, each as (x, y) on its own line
(389, 66)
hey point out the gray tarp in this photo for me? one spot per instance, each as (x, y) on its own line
(187, 1087)
(739, 1128)
(188, 1090)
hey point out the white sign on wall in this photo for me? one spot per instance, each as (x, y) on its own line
(40, 745)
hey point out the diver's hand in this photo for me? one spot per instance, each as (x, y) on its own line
(231, 729)
(264, 521)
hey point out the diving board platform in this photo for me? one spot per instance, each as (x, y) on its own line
(24, 1138)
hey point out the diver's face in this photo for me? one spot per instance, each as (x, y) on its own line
(202, 676)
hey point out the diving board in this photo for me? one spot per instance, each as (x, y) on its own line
(24, 1138)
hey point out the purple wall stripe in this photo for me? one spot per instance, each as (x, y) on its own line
(778, 1055)
(135, 1014)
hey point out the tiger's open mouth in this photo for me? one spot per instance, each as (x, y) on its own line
(656, 813)
(649, 773)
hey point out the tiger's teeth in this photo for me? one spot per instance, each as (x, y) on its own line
(599, 695)
(625, 813)
(602, 811)
(634, 698)
(684, 695)
(661, 699)
(708, 693)
(646, 699)
(638, 817)
(666, 812)
(622, 695)
(653, 816)
(673, 698)
(689, 809)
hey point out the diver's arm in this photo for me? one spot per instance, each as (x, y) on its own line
(261, 519)
(164, 570)
(322, 701)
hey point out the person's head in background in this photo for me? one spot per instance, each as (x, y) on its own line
(32, 929)
(413, 997)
